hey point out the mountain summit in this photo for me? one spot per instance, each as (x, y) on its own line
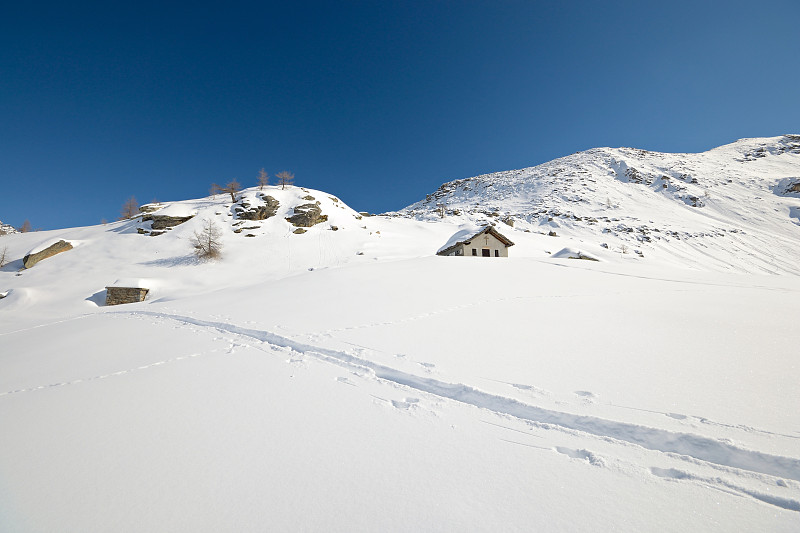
(737, 205)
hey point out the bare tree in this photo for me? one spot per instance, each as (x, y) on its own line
(285, 178)
(25, 227)
(3, 257)
(214, 190)
(129, 209)
(232, 188)
(207, 242)
(263, 179)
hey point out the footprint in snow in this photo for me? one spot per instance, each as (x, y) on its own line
(346, 381)
(406, 403)
(586, 396)
(585, 455)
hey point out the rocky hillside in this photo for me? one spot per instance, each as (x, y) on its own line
(742, 200)
(7, 229)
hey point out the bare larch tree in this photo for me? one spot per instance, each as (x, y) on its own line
(207, 242)
(129, 209)
(263, 179)
(232, 188)
(284, 178)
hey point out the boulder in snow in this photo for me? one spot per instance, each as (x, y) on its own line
(56, 248)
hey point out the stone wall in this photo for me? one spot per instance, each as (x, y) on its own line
(125, 295)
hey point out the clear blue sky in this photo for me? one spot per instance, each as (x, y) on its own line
(377, 102)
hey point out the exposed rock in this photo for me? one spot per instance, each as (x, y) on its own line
(552, 233)
(260, 212)
(162, 222)
(306, 215)
(31, 259)
(249, 235)
(299, 231)
(125, 295)
(794, 187)
(7, 229)
(309, 198)
(334, 228)
(149, 208)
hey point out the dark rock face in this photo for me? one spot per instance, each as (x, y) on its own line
(31, 259)
(299, 231)
(161, 222)
(260, 212)
(306, 215)
(794, 187)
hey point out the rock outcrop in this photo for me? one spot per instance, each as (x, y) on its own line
(7, 229)
(259, 212)
(31, 259)
(162, 222)
(306, 215)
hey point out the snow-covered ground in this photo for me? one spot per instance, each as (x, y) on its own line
(350, 380)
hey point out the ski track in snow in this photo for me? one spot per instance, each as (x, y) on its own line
(689, 446)
(683, 444)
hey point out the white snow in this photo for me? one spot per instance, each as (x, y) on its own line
(351, 380)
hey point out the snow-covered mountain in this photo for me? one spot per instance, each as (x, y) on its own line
(331, 373)
(736, 207)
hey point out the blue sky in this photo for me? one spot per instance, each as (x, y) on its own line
(377, 102)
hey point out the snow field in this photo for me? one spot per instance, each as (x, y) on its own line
(349, 380)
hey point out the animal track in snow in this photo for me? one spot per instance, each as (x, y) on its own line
(102, 376)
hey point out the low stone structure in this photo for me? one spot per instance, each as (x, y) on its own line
(125, 295)
(31, 259)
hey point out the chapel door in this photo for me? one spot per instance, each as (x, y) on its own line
(486, 252)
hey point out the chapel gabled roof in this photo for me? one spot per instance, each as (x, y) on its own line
(465, 236)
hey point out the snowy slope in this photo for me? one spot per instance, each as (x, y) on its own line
(734, 208)
(351, 380)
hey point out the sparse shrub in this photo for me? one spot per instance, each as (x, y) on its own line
(207, 242)
(624, 248)
(25, 227)
(3, 257)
